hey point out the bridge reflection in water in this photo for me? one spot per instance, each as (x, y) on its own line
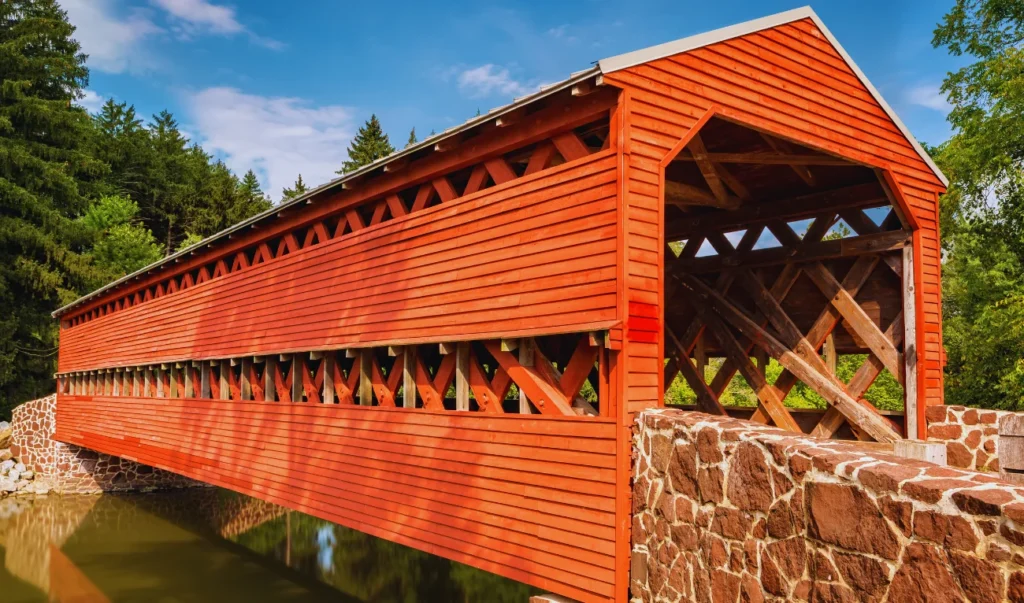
(213, 545)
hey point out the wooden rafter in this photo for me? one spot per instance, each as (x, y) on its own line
(707, 168)
(784, 148)
(545, 395)
(686, 195)
(760, 158)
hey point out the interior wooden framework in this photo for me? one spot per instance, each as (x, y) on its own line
(744, 285)
(542, 375)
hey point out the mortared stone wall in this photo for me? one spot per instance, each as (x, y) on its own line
(725, 510)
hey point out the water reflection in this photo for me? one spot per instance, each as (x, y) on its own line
(213, 545)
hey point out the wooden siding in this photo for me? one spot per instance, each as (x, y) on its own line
(534, 256)
(529, 498)
(789, 81)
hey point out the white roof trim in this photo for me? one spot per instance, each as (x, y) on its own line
(637, 57)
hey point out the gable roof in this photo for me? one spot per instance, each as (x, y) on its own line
(603, 66)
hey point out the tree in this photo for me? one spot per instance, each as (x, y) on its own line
(412, 138)
(42, 163)
(251, 199)
(370, 144)
(983, 212)
(121, 246)
(297, 189)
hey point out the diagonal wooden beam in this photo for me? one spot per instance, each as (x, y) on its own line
(857, 318)
(489, 394)
(540, 159)
(433, 390)
(783, 148)
(555, 377)
(766, 393)
(707, 168)
(807, 371)
(686, 195)
(544, 394)
(569, 146)
(477, 179)
(706, 399)
(500, 171)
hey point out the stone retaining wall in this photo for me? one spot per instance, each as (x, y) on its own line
(72, 469)
(971, 435)
(726, 510)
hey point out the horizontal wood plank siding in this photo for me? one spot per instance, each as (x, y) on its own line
(529, 498)
(534, 256)
(788, 80)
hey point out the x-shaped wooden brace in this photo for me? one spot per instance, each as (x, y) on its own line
(489, 393)
(433, 389)
(385, 389)
(800, 357)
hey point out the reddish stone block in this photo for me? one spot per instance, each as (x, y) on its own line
(981, 502)
(957, 455)
(749, 485)
(833, 508)
(886, 477)
(935, 414)
(932, 490)
(898, 512)
(923, 576)
(725, 587)
(944, 432)
(708, 447)
(982, 581)
(709, 485)
(970, 417)
(950, 531)
(1015, 588)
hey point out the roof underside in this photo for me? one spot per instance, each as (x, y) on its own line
(433, 143)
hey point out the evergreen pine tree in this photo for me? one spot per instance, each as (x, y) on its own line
(370, 144)
(412, 139)
(296, 189)
(251, 199)
(42, 161)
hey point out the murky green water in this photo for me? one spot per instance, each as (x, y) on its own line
(212, 545)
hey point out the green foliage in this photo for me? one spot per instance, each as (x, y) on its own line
(250, 199)
(122, 246)
(43, 169)
(296, 189)
(983, 212)
(412, 138)
(370, 144)
(190, 239)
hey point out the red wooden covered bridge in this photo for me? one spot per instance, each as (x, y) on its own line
(446, 347)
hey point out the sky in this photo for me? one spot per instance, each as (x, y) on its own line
(281, 87)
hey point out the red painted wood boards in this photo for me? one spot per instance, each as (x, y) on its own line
(530, 498)
(789, 81)
(534, 256)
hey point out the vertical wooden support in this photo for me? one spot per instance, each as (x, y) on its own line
(106, 383)
(365, 378)
(462, 376)
(701, 356)
(244, 385)
(115, 385)
(269, 391)
(829, 352)
(174, 382)
(409, 376)
(205, 391)
(190, 388)
(225, 389)
(160, 391)
(297, 368)
(525, 359)
(329, 360)
(910, 393)
(147, 382)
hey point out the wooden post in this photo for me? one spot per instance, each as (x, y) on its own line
(106, 383)
(205, 391)
(225, 390)
(910, 393)
(190, 388)
(174, 381)
(115, 386)
(462, 376)
(525, 359)
(160, 393)
(298, 367)
(147, 382)
(365, 380)
(409, 376)
(329, 360)
(244, 384)
(701, 357)
(269, 391)
(829, 351)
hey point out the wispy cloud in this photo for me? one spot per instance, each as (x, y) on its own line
(277, 137)
(91, 101)
(562, 33)
(928, 95)
(489, 80)
(112, 38)
(197, 17)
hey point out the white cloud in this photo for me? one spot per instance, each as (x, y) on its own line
(112, 40)
(277, 137)
(196, 17)
(489, 79)
(930, 96)
(91, 102)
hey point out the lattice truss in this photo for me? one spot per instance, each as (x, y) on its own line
(744, 286)
(760, 309)
(554, 375)
(563, 147)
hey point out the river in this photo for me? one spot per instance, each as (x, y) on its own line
(207, 544)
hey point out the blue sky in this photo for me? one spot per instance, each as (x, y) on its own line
(281, 87)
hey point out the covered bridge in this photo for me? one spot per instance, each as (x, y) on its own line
(446, 347)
